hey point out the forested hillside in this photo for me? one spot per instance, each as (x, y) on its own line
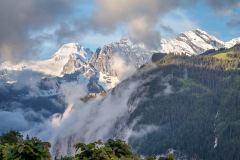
(225, 54)
(190, 105)
(193, 104)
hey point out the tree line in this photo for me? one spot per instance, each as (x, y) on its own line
(14, 147)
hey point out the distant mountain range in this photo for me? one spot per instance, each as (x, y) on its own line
(188, 105)
(106, 65)
(96, 72)
(166, 104)
(40, 82)
(194, 43)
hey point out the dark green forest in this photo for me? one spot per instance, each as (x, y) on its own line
(203, 104)
(192, 102)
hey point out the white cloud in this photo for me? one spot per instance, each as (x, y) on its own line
(143, 130)
(178, 21)
(123, 68)
(72, 92)
(86, 122)
(25, 78)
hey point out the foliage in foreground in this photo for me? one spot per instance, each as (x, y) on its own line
(13, 146)
(111, 150)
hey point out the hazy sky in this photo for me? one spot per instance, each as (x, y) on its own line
(37, 28)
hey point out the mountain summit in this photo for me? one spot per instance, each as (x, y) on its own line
(116, 61)
(194, 43)
(73, 49)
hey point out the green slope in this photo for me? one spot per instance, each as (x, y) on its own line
(226, 54)
(204, 103)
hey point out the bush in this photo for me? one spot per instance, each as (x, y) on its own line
(19, 149)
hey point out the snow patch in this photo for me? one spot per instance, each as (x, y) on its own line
(107, 82)
(215, 142)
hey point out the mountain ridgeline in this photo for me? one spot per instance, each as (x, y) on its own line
(186, 101)
(193, 104)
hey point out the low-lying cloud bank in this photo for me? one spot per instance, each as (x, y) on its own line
(85, 122)
(99, 118)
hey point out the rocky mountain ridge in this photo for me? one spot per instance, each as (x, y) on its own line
(194, 43)
(108, 65)
(171, 101)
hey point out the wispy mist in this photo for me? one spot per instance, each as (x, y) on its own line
(81, 121)
(12, 120)
(118, 64)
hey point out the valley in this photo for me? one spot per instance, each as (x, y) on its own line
(182, 98)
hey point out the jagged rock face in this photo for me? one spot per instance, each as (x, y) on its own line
(103, 59)
(76, 68)
(94, 87)
(72, 57)
(209, 39)
(199, 41)
(191, 43)
(75, 63)
(69, 67)
(73, 49)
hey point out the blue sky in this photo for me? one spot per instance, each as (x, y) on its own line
(200, 15)
(36, 30)
(213, 23)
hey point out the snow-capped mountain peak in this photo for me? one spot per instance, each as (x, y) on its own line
(55, 66)
(115, 61)
(232, 42)
(73, 50)
(115, 56)
(194, 43)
